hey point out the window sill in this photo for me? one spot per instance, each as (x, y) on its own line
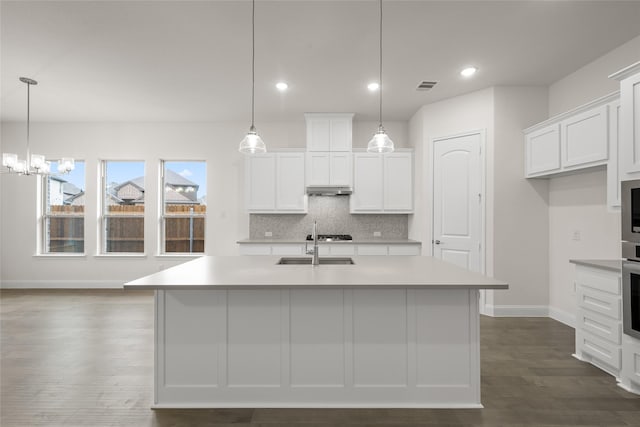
(122, 255)
(61, 255)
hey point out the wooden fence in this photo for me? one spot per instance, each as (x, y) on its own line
(183, 232)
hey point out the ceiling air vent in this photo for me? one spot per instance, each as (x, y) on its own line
(425, 85)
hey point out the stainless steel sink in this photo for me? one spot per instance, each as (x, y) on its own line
(307, 261)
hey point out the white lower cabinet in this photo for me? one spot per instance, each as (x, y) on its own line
(338, 249)
(599, 318)
(630, 376)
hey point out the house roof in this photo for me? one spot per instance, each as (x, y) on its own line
(170, 178)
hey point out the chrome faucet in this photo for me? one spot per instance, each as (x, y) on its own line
(314, 251)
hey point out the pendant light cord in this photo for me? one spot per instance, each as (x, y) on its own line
(380, 65)
(28, 120)
(253, 63)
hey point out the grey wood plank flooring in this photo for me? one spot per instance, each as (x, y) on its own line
(84, 358)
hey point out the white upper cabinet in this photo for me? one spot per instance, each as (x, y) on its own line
(573, 140)
(275, 183)
(543, 150)
(329, 131)
(613, 165)
(382, 183)
(329, 168)
(629, 120)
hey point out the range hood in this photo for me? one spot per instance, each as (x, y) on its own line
(328, 190)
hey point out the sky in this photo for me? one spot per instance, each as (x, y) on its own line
(123, 171)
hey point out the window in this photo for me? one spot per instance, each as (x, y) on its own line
(63, 211)
(123, 206)
(184, 206)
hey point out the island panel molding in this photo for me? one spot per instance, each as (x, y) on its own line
(317, 348)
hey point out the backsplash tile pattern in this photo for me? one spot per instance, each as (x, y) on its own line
(332, 214)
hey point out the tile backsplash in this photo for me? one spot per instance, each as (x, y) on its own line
(332, 214)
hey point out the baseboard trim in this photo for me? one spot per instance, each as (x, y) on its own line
(562, 316)
(61, 284)
(517, 310)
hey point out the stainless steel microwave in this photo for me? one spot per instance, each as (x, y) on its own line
(630, 197)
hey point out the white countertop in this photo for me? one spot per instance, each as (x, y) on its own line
(231, 272)
(340, 242)
(605, 264)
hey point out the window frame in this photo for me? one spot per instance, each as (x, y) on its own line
(103, 216)
(45, 215)
(163, 215)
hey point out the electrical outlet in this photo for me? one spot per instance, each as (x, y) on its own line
(268, 234)
(576, 235)
(377, 234)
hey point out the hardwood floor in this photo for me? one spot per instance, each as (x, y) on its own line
(85, 358)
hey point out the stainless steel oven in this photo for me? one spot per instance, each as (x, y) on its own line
(631, 253)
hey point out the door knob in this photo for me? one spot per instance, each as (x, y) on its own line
(437, 242)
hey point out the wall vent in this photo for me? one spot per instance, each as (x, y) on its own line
(425, 85)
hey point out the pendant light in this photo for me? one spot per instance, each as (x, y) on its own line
(380, 143)
(252, 143)
(33, 164)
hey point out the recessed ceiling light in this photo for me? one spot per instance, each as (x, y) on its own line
(373, 86)
(281, 86)
(468, 72)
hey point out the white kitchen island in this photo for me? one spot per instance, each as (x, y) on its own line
(386, 332)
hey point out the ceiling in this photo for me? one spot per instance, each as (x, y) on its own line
(182, 61)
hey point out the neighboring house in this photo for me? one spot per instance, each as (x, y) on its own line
(178, 190)
(62, 192)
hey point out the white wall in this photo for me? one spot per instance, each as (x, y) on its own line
(578, 202)
(591, 82)
(217, 143)
(520, 206)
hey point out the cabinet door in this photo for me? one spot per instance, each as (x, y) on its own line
(318, 134)
(613, 164)
(318, 168)
(378, 249)
(260, 182)
(367, 183)
(398, 182)
(290, 190)
(584, 138)
(543, 150)
(340, 169)
(630, 123)
(341, 134)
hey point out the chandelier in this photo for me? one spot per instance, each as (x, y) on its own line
(33, 164)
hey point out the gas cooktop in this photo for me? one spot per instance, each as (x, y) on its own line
(332, 237)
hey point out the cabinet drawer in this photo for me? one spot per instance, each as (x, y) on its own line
(600, 302)
(599, 325)
(404, 250)
(287, 249)
(259, 249)
(342, 250)
(599, 348)
(598, 279)
(372, 250)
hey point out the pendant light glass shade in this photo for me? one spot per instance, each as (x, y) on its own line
(380, 143)
(252, 143)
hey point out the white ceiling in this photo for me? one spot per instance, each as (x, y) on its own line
(190, 61)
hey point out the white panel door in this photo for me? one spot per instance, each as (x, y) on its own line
(367, 182)
(261, 182)
(630, 123)
(340, 169)
(584, 138)
(398, 182)
(341, 134)
(543, 150)
(290, 190)
(457, 215)
(318, 168)
(318, 133)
